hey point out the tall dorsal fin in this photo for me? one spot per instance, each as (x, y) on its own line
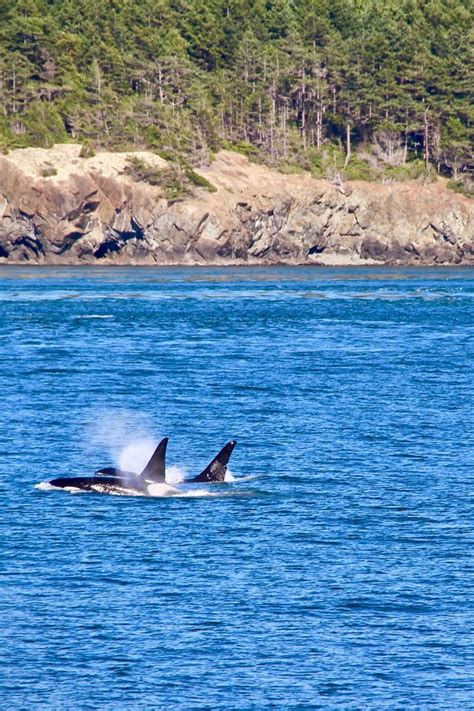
(216, 470)
(155, 469)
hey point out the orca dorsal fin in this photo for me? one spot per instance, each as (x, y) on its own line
(155, 469)
(216, 470)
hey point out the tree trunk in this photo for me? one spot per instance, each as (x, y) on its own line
(303, 106)
(160, 85)
(348, 144)
(283, 125)
(426, 138)
(273, 121)
(14, 90)
(303, 124)
(98, 79)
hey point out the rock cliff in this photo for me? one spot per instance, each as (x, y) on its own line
(59, 208)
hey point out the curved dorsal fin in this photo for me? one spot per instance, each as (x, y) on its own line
(155, 469)
(216, 470)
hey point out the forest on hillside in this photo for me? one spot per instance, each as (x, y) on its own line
(363, 87)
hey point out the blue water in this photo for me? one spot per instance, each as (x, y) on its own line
(336, 574)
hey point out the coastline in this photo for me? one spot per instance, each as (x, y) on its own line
(58, 208)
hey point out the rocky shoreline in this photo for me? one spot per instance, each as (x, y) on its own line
(57, 207)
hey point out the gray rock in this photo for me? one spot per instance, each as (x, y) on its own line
(256, 216)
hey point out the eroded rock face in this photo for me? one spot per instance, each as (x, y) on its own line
(91, 211)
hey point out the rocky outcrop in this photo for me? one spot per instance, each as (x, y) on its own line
(59, 208)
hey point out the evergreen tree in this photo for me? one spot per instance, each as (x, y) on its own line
(286, 80)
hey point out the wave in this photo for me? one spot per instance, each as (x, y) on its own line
(155, 491)
(197, 493)
(95, 316)
(45, 486)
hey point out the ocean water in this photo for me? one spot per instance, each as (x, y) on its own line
(335, 572)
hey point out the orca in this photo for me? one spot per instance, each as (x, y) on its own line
(216, 470)
(151, 481)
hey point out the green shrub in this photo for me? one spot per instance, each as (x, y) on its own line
(175, 181)
(169, 155)
(6, 135)
(153, 137)
(291, 169)
(168, 179)
(172, 184)
(48, 172)
(199, 180)
(358, 169)
(464, 188)
(44, 126)
(87, 150)
(316, 163)
(242, 147)
(139, 169)
(327, 161)
(413, 170)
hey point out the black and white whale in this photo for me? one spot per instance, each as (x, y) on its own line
(217, 469)
(151, 481)
(110, 480)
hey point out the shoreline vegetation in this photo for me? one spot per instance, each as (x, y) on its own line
(379, 91)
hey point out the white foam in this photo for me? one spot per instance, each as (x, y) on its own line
(96, 316)
(162, 490)
(153, 490)
(198, 493)
(45, 486)
(175, 474)
(229, 476)
(250, 477)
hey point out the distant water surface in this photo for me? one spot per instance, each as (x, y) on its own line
(337, 574)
